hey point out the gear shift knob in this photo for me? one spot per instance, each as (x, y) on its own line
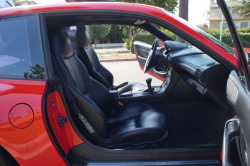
(149, 80)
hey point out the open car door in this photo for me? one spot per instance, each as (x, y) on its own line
(238, 96)
(142, 50)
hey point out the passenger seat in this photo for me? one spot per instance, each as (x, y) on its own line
(136, 124)
(89, 57)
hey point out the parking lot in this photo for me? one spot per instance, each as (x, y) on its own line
(128, 71)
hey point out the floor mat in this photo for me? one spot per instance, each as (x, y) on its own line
(194, 124)
(205, 117)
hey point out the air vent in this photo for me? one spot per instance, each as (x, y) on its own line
(198, 73)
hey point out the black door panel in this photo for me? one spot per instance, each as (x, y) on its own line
(239, 99)
(142, 50)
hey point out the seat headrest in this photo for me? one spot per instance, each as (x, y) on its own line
(82, 36)
(60, 43)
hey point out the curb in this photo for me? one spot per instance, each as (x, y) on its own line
(114, 60)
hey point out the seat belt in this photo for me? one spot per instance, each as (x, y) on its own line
(74, 106)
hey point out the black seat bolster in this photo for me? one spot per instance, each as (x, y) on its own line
(129, 111)
(99, 68)
(151, 119)
(92, 71)
(136, 136)
(136, 123)
(91, 111)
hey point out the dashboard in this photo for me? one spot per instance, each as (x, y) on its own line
(196, 68)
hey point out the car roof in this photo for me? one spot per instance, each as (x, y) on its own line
(72, 6)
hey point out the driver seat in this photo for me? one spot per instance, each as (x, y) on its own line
(96, 70)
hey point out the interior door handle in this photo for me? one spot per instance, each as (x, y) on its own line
(231, 129)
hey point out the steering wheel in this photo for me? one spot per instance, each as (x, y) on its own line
(151, 56)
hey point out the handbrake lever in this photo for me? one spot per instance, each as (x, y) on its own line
(119, 86)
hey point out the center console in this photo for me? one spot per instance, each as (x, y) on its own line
(165, 83)
(150, 91)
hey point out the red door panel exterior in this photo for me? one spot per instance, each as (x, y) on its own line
(65, 135)
(30, 145)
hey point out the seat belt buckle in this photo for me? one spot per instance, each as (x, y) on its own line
(120, 103)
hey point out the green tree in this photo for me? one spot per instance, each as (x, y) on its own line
(183, 9)
(37, 72)
(23, 2)
(244, 8)
(116, 34)
(169, 5)
(98, 32)
(183, 13)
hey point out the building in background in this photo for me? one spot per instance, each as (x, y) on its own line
(216, 15)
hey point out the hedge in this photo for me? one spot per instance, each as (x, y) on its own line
(126, 43)
(240, 30)
(244, 34)
(226, 38)
(245, 39)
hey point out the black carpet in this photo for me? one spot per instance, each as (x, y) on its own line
(194, 124)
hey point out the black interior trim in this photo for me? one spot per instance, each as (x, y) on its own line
(18, 15)
(154, 152)
(84, 153)
(172, 163)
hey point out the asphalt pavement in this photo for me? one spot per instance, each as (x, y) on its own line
(120, 49)
(128, 71)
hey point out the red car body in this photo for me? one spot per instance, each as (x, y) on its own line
(248, 50)
(24, 134)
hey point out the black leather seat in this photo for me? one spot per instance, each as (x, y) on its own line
(89, 57)
(136, 123)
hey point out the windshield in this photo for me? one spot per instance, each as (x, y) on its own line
(213, 39)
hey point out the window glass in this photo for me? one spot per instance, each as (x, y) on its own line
(237, 24)
(213, 39)
(20, 49)
(170, 34)
(243, 24)
(224, 25)
(72, 34)
(235, 11)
